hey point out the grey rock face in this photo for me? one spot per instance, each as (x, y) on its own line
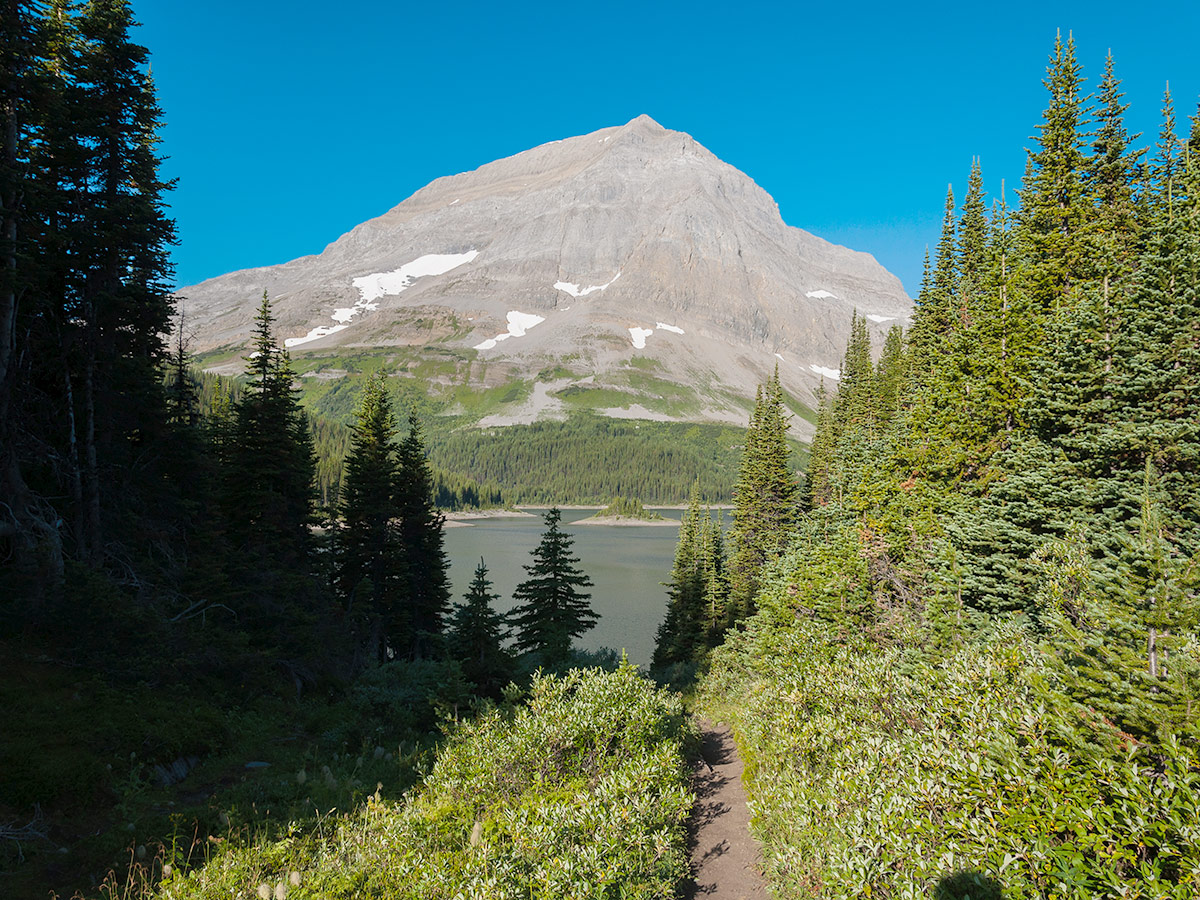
(582, 249)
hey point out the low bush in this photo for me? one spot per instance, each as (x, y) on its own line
(875, 771)
(580, 793)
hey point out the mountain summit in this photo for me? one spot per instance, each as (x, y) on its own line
(629, 250)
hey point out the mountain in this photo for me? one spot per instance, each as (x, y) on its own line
(629, 271)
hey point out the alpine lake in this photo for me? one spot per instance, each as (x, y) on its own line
(627, 565)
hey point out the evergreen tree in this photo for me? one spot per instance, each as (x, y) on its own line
(1122, 648)
(765, 499)
(972, 243)
(713, 612)
(890, 377)
(1113, 228)
(476, 636)
(28, 532)
(1054, 206)
(818, 480)
(934, 317)
(427, 592)
(551, 609)
(679, 633)
(120, 303)
(370, 567)
(268, 493)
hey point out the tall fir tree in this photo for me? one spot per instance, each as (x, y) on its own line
(1122, 648)
(476, 637)
(765, 499)
(268, 485)
(122, 302)
(1053, 202)
(29, 536)
(427, 593)
(972, 244)
(551, 608)
(818, 478)
(371, 565)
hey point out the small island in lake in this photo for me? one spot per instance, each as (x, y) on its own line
(626, 511)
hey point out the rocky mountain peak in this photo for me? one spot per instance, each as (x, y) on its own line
(629, 249)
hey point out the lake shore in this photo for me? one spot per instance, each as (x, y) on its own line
(626, 521)
(464, 518)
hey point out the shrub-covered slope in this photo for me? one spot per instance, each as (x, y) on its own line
(880, 771)
(581, 793)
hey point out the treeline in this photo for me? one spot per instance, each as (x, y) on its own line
(590, 459)
(987, 615)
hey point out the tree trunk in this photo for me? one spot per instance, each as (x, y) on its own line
(92, 538)
(23, 520)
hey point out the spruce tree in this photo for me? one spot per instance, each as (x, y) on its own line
(890, 376)
(122, 301)
(29, 535)
(934, 316)
(765, 499)
(817, 481)
(1053, 201)
(427, 589)
(370, 556)
(1123, 648)
(679, 633)
(551, 609)
(268, 473)
(1113, 228)
(713, 610)
(972, 242)
(476, 636)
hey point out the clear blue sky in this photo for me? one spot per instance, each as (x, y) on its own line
(290, 122)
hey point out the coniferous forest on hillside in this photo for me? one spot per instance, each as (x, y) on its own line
(960, 653)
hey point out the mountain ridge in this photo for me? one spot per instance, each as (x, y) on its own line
(631, 241)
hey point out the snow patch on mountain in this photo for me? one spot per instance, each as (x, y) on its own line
(665, 327)
(820, 295)
(878, 319)
(575, 291)
(319, 332)
(372, 287)
(835, 374)
(639, 335)
(518, 324)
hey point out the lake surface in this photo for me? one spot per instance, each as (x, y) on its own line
(626, 564)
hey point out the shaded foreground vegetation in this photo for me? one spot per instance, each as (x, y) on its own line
(580, 793)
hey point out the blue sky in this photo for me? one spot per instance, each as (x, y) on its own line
(290, 122)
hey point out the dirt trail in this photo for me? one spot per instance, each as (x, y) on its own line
(724, 855)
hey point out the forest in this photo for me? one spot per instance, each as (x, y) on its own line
(960, 653)
(974, 662)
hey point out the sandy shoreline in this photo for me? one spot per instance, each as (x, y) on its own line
(626, 521)
(465, 517)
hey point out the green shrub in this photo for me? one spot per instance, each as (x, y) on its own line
(581, 793)
(874, 772)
